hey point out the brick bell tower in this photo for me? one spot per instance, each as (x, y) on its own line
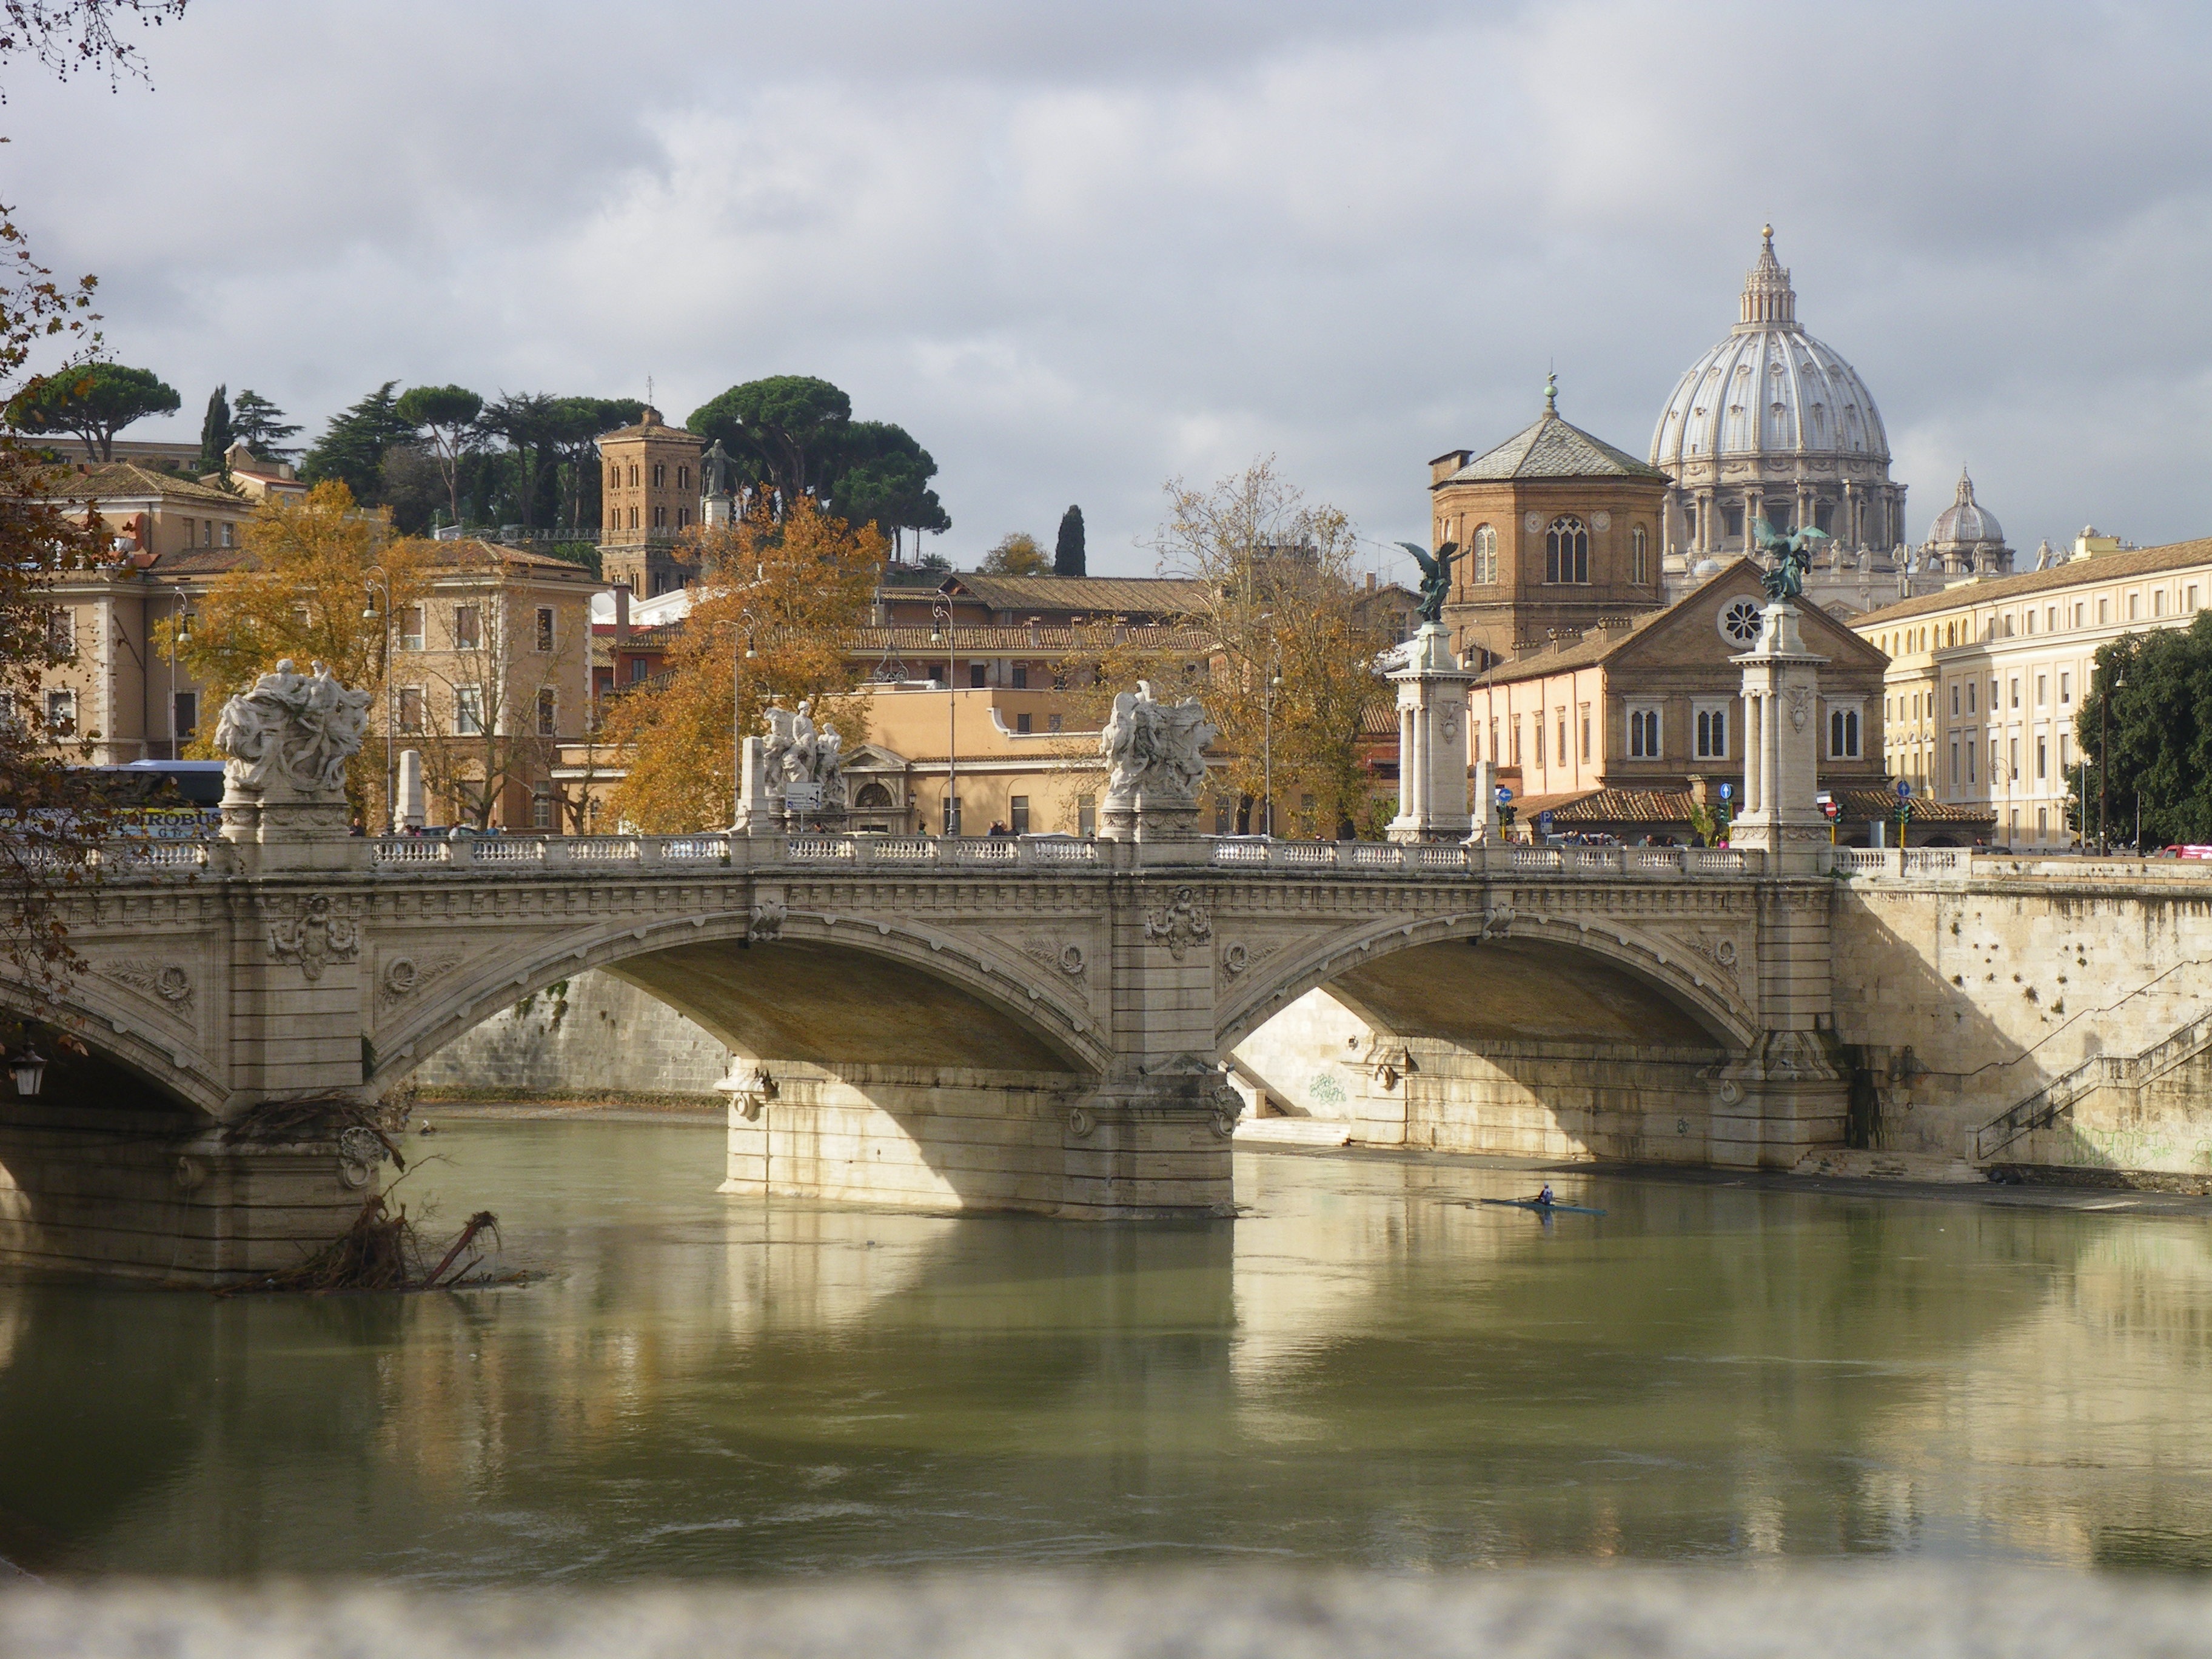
(650, 489)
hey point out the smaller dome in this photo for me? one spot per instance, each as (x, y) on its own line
(1965, 520)
(1705, 567)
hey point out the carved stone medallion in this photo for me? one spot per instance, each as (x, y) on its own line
(315, 938)
(1180, 923)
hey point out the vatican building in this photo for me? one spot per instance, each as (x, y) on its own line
(1773, 424)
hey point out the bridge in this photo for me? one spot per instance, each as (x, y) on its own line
(1035, 1024)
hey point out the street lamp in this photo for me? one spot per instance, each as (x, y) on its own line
(380, 581)
(1267, 731)
(28, 1066)
(2117, 678)
(744, 629)
(941, 625)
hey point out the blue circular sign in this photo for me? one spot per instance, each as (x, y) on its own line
(1504, 794)
(1903, 789)
(1727, 792)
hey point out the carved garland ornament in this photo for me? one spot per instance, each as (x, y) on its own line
(1801, 706)
(1180, 924)
(766, 923)
(403, 976)
(315, 938)
(162, 979)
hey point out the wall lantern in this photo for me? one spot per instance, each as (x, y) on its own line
(28, 1067)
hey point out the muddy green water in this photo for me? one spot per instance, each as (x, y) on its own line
(1364, 1369)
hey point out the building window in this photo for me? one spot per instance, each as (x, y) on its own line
(468, 711)
(1022, 724)
(227, 528)
(683, 518)
(545, 643)
(1586, 734)
(2015, 690)
(185, 711)
(410, 629)
(1485, 553)
(633, 477)
(2103, 611)
(1954, 765)
(2042, 689)
(1052, 722)
(541, 810)
(640, 670)
(61, 632)
(7, 711)
(2134, 606)
(614, 477)
(633, 517)
(1017, 814)
(468, 627)
(1021, 677)
(1566, 551)
(979, 676)
(1562, 751)
(410, 712)
(684, 477)
(1639, 556)
(661, 518)
(1712, 734)
(1086, 815)
(659, 474)
(1643, 734)
(1970, 696)
(61, 713)
(1972, 749)
(2189, 599)
(1537, 724)
(951, 808)
(2158, 603)
(548, 712)
(1843, 734)
(2042, 758)
(1516, 740)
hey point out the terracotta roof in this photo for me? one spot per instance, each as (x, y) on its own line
(1553, 449)
(1103, 595)
(652, 430)
(106, 481)
(2103, 567)
(1598, 644)
(199, 561)
(450, 553)
(1673, 806)
(1046, 639)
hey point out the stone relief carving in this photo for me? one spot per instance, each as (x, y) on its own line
(403, 976)
(1719, 949)
(1155, 748)
(1180, 923)
(1497, 923)
(315, 938)
(292, 730)
(165, 980)
(766, 925)
(360, 1151)
(1062, 954)
(1801, 706)
(1240, 956)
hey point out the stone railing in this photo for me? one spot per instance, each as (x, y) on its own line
(1958, 865)
(1504, 858)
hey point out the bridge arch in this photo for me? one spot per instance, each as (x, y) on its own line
(818, 987)
(1616, 982)
(119, 1035)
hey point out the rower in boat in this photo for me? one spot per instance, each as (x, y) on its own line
(1545, 1197)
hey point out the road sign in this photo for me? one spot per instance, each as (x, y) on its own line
(1727, 792)
(1543, 822)
(1903, 789)
(802, 797)
(1505, 795)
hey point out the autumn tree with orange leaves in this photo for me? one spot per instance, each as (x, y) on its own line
(777, 599)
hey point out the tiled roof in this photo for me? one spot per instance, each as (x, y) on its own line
(1553, 449)
(199, 561)
(1047, 639)
(1673, 806)
(652, 430)
(1100, 595)
(107, 481)
(2104, 567)
(1595, 645)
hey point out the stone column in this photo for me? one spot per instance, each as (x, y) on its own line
(1781, 698)
(759, 808)
(1433, 691)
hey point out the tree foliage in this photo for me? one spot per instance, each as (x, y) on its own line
(2161, 685)
(215, 433)
(261, 427)
(795, 435)
(1015, 555)
(1068, 556)
(67, 36)
(791, 591)
(446, 416)
(94, 401)
(351, 450)
(1293, 650)
(312, 569)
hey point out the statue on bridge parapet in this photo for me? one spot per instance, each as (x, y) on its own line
(286, 743)
(797, 766)
(1156, 756)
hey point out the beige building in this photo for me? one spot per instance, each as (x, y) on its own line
(1986, 677)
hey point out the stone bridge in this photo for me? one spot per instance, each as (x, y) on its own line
(1037, 1025)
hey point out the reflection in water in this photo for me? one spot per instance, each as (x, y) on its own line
(1364, 1368)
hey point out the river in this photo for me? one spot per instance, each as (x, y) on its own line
(1365, 1368)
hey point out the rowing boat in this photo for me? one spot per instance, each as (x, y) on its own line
(1554, 1207)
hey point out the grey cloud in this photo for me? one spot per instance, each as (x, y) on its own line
(1076, 249)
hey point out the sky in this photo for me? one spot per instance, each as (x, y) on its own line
(1080, 251)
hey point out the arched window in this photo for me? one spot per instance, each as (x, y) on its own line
(1566, 551)
(1639, 556)
(1485, 553)
(872, 798)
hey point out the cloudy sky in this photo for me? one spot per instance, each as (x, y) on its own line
(1077, 251)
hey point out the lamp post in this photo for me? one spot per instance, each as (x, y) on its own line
(941, 625)
(181, 635)
(2116, 679)
(379, 582)
(1267, 730)
(28, 1067)
(742, 630)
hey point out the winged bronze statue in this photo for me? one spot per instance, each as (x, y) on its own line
(1435, 577)
(1792, 555)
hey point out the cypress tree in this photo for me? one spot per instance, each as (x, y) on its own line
(214, 431)
(1068, 551)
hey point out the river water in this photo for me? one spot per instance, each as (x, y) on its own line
(1363, 1369)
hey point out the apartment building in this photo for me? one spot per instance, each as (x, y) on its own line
(1986, 678)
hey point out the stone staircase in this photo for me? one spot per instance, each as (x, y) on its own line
(1841, 1164)
(1292, 1131)
(2056, 1098)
